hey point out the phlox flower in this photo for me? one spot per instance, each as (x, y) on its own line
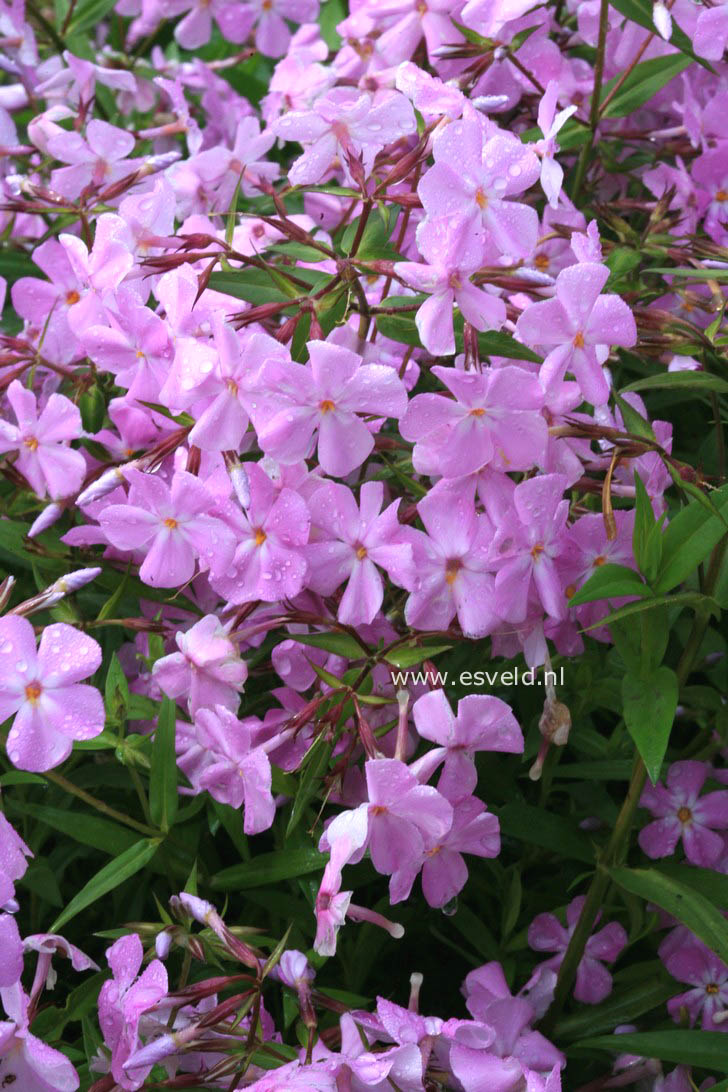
(26, 1062)
(41, 440)
(351, 542)
(13, 863)
(291, 403)
(99, 158)
(549, 122)
(172, 525)
(577, 328)
(207, 670)
(42, 688)
(707, 975)
(593, 980)
(494, 417)
(681, 812)
(237, 772)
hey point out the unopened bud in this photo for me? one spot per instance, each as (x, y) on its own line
(6, 590)
(104, 485)
(662, 19)
(50, 514)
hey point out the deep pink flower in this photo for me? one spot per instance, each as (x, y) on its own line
(44, 689)
(681, 812)
(50, 466)
(593, 980)
(701, 969)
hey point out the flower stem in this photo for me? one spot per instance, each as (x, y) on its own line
(586, 151)
(99, 805)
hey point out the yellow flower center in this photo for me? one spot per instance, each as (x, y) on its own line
(326, 406)
(479, 412)
(260, 536)
(31, 443)
(579, 340)
(361, 552)
(601, 560)
(536, 550)
(170, 523)
(452, 569)
(33, 691)
(684, 814)
(481, 199)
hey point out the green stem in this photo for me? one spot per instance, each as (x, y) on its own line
(99, 805)
(616, 849)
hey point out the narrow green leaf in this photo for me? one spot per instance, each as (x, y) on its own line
(650, 702)
(688, 540)
(643, 83)
(110, 876)
(708, 1049)
(682, 599)
(409, 655)
(163, 794)
(89, 830)
(315, 763)
(679, 381)
(634, 422)
(684, 903)
(623, 1007)
(116, 691)
(640, 12)
(610, 582)
(341, 644)
(269, 868)
(545, 829)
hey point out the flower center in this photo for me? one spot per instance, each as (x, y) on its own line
(541, 261)
(361, 552)
(721, 195)
(684, 814)
(378, 809)
(481, 199)
(579, 340)
(260, 536)
(33, 691)
(326, 406)
(170, 523)
(73, 297)
(712, 988)
(601, 560)
(31, 443)
(452, 569)
(570, 590)
(479, 412)
(536, 550)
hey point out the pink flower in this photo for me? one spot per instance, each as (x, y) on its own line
(269, 561)
(195, 29)
(445, 276)
(122, 1002)
(323, 397)
(172, 525)
(50, 466)
(43, 688)
(529, 548)
(549, 122)
(482, 723)
(593, 980)
(451, 565)
(469, 185)
(13, 864)
(26, 1062)
(97, 160)
(351, 542)
(495, 417)
(577, 327)
(207, 670)
(701, 969)
(346, 123)
(682, 813)
(223, 168)
(237, 772)
(331, 902)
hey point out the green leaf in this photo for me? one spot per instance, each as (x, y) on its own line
(497, 343)
(88, 14)
(89, 830)
(253, 285)
(623, 1007)
(684, 903)
(341, 644)
(643, 83)
(410, 654)
(610, 582)
(689, 539)
(634, 422)
(116, 691)
(640, 12)
(720, 275)
(110, 876)
(711, 884)
(545, 829)
(682, 599)
(269, 868)
(163, 794)
(649, 703)
(111, 604)
(679, 381)
(402, 328)
(708, 1049)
